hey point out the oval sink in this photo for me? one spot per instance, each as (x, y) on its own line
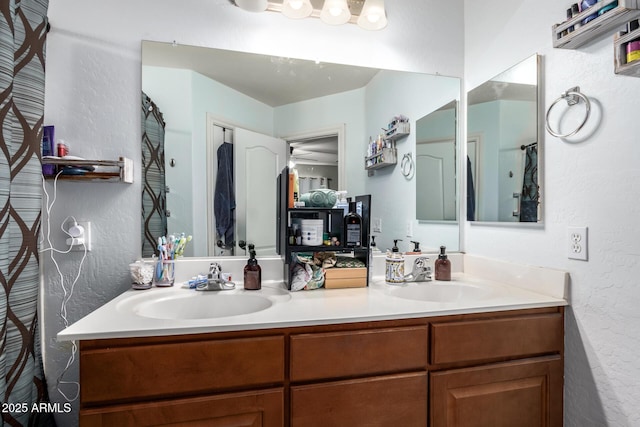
(202, 305)
(440, 292)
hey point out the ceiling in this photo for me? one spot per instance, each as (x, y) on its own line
(316, 151)
(272, 80)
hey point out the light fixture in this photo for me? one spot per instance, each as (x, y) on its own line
(297, 9)
(368, 14)
(335, 12)
(253, 5)
(373, 15)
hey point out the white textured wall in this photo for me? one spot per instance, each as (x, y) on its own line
(93, 96)
(591, 183)
(93, 84)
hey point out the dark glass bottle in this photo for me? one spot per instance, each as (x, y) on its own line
(252, 273)
(443, 266)
(353, 227)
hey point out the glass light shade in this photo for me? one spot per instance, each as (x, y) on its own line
(335, 12)
(297, 9)
(373, 15)
(252, 5)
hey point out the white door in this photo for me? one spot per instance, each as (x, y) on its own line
(436, 181)
(259, 159)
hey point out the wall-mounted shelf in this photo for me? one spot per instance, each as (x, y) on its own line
(603, 24)
(387, 157)
(620, 54)
(122, 170)
(400, 130)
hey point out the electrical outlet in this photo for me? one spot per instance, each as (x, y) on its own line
(86, 236)
(376, 225)
(578, 244)
(409, 229)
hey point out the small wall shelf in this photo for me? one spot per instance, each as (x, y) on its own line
(603, 24)
(387, 157)
(401, 129)
(620, 55)
(122, 170)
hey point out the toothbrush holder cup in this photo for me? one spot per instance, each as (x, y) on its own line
(164, 274)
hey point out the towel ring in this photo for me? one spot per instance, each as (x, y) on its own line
(572, 96)
(407, 166)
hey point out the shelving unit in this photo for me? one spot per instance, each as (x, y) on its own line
(401, 129)
(603, 24)
(620, 55)
(388, 157)
(122, 170)
(333, 224)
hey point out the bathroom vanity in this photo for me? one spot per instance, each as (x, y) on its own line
(479, 353)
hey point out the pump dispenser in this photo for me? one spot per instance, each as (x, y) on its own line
(252, 272)
(416, 248)
(342, 203)
(442, 266)
(394, 263)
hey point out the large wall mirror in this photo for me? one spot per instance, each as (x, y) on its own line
(202, 104)
(505, 145)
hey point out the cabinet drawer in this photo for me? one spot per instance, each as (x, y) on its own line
(394, 400)
(174, 369)
(495, 339)
(357, 353)
(250, 409)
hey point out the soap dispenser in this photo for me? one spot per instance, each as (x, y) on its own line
(416, 248)
(394, 265)
(252, 272)
(342, 203)
(443, 266)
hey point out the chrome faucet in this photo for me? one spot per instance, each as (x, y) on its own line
(421, 271)
(215, 281)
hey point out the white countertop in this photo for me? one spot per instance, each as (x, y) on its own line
(495, 286)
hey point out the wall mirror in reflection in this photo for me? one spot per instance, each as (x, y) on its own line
(503, 129)
(264, 111)
(436, 165)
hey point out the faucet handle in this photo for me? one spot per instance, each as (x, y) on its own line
(421, 262)
(214, 270)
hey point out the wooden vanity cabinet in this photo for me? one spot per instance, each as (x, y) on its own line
(374, 377)
(213, 380)
(497, 371)
(487, 369)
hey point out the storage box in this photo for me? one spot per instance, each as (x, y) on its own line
(345, 278)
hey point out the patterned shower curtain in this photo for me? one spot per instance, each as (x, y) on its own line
(154, 200)
(23, 30)
(530, 188)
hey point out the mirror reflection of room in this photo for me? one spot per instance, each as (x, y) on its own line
(503, 127)
(436, 165)
(209, 99)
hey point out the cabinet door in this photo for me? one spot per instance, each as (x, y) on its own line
(393, 400)
(251, 409)
(526, 393)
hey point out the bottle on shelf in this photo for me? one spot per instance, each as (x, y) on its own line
(632, 47)
(353, 227)
(342, 203)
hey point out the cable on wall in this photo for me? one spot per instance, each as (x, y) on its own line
(66, 291)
